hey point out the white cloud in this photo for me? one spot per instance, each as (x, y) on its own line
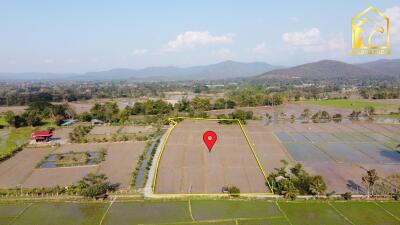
(394, 18)
(190, 39)
(223, 52)
(259, 49)
(139, 51)
(311, 41)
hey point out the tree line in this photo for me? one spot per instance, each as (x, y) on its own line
(39, 111)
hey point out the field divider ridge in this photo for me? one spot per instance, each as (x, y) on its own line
(161, 153)
(255, 156)
(190, 210)
(20, 214)
(340, 213)
(107, 210)
(391, 214)
(283, 213)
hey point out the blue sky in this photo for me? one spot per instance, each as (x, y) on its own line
(80, 36)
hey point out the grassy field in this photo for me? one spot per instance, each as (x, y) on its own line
(346, 103)
(3, 122)
(10, 139)
(389, 116)
(222, 212)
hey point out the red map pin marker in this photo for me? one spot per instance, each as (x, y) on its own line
(209, 138)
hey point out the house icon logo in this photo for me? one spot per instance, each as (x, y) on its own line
(370, 33)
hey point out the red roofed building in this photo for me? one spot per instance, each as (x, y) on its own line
(42, 135)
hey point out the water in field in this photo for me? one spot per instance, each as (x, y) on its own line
(50, 161)
(359, 147)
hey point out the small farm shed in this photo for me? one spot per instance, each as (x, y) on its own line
(42, 135)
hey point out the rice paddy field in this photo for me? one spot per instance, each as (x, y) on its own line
(342, 152)
(249, 212)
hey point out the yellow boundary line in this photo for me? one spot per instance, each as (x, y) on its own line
(172, 120)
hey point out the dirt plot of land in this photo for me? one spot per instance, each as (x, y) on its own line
(16, 169)
(136, 129)
(186, 165)
(91, 147)
(110, 130)
(268, 147)
(15, 109)
(120, 161)
(63, 176)
(104, 130)
(62, 133)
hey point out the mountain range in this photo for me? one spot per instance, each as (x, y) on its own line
(258, 71)
(329, 69)
(222, 70)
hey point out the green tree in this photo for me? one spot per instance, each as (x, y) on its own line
(219, 104)
(317, 185)
(9, 116)
(201, 104)
(306, 115)
(234, 191)
(183, 105)
(32, 118)
(230, 104)
(370, 110)
(107, 112)
(125, 114)
(347, 195)
(369, 180)
(337, 117)
(93, 185)
(287, 189)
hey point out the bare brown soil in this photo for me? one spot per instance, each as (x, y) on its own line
(62, 176)
(186, 165)
(16, 169)
(120, 162)
(15, 109)
(81, 147)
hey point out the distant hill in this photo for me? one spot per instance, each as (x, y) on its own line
(325, 69)
(387, 66)
(222, 70)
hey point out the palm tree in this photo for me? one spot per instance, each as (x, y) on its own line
(288, 190)
(306, 115)
(317, 185)
(370, 179)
